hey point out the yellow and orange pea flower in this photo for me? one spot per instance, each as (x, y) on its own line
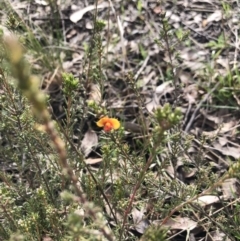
(108, 124)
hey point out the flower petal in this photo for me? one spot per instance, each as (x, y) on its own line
(115, 123)
(108, 127)
(108, 123)
(102, 121)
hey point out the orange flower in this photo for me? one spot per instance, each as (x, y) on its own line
(108, 123)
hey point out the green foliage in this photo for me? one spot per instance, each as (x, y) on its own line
(166, 119)
(219, 44)
(99, 26)
(155, 233)
(70, 83)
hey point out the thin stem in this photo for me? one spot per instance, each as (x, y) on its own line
(136, 187)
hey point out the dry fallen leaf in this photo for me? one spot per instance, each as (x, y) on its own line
(164, 88)
(140, 223)
(41, 2)
(89, 141)
(158, 10)
(47, 238)
(227, 150)
(207, 200)
(95, 94)
(230, 188)
(178, 223)
(222, 129)
(75, 17)
(152, 103)
(92, 161)
(216, 16)
(223, 140)
(217, 236)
